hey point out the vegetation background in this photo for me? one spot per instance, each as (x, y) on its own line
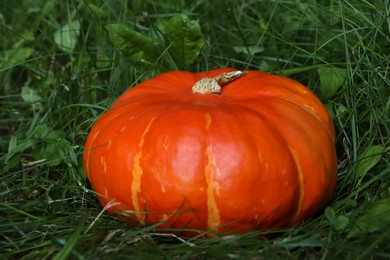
(62, 63)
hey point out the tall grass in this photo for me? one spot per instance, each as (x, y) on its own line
(54, 83)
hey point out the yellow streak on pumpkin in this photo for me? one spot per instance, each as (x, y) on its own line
(213, 215)
(208, 120)
(137, 174)
(312, 111)
(109, 145)
(87, 164)
(165, 143)
(103, 164)
(301, 184)
(260, 155)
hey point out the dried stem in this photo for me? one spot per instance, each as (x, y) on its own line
(214, 85)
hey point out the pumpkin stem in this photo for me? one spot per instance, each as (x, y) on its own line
(214, 85)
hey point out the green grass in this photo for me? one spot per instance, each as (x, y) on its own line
(54, 85)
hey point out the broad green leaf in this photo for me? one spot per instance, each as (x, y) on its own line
(12, 160)
(180, 38)
(15, 152)
(9, 58)
(248, 50)
(98, 11)
(331, 80)
(20, 148)
(66, 36)
(341, 110)
(29, 95)
(13, 142)
(43, 131)
(135, 46)
(337, 222)
(53, 152)
(185, 39)
(53, 147)
(368, 159)
(376, 218)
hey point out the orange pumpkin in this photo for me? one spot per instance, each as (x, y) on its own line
(257, 154)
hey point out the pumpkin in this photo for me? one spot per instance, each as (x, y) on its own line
(222, 151)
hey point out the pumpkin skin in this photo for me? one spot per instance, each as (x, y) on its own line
(258, 156)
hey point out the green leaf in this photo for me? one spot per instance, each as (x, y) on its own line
(53, 153)
(376, 218)
(185, 39)
(332, 79)
(248, 50)
(337, 222)
(29, 95)
(17, 148)
(181, 39)
(66, 36)
(366, 160)
(15, 152)
(13, 142)
(9, 58)
(137, 47)
(98, 11)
